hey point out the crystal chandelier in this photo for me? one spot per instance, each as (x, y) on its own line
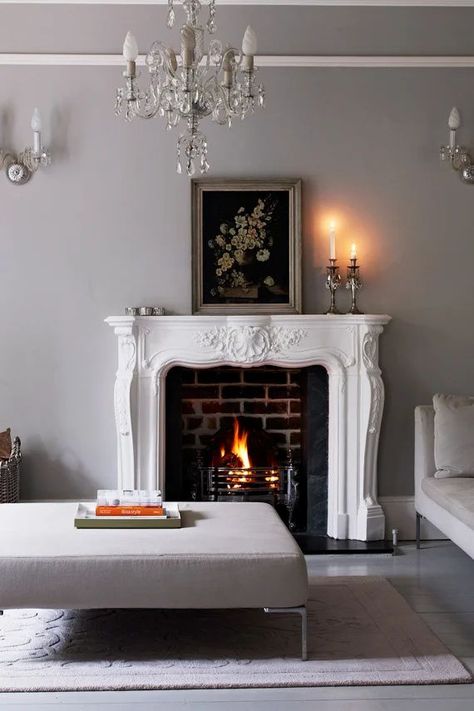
(219, 83)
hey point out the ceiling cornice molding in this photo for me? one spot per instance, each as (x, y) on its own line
(290, 61)
(268, 3)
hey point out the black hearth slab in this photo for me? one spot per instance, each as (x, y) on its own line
(323, 545)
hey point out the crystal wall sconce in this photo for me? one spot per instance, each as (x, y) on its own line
(20, 167)
(458, 156)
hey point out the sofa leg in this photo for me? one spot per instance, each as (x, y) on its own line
(303, 613)
(418, 530)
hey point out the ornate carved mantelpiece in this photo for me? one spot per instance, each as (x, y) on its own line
(347, 346)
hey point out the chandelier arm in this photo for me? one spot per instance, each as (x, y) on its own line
(146, 113)
(160, 56)
(230, 55)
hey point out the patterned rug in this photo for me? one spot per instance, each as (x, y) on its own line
(362, 632)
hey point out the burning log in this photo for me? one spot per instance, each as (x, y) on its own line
(232, 461)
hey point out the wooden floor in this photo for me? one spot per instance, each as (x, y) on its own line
(438, 582)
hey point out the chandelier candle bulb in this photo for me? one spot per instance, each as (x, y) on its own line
(249, 49)
(249, 42)
(227, 68)
(36, 125)
(454, 122)
(130, 53)
(353, 251)
(188, 45)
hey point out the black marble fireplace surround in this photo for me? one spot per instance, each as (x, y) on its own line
(291, 404)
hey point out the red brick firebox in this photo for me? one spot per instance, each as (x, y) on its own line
(212, 398)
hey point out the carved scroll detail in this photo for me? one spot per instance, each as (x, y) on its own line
(250, 344)
(127, 362)
(370, 360)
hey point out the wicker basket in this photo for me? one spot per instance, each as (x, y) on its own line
(10, 475)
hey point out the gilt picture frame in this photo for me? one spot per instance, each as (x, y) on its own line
(246, 246)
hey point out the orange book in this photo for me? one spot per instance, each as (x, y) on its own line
(129, 511)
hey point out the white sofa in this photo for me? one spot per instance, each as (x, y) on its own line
(446, 503)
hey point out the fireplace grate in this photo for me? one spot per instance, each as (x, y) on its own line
(275, 485)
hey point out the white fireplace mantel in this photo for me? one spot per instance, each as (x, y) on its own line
(347, 346)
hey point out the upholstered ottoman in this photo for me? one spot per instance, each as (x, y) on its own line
(226, 555)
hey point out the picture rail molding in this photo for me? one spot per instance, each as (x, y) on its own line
(291, 61)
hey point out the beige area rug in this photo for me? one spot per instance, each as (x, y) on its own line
(362, 632)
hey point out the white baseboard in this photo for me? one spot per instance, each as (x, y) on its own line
(400, 513)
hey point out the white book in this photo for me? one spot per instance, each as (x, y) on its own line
(129, 497)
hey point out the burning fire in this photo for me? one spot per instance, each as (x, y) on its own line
(239, 445)
(241, 469)
(241, 472)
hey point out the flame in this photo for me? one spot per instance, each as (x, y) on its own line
(242, 475)
(239, 445)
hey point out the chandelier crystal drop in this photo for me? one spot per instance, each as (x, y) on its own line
(193, 84)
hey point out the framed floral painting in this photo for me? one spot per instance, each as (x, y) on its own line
(246, 238)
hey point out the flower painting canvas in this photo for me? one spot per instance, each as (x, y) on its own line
(246, 246)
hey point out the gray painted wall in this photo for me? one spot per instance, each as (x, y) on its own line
(108, 225)
(281, 30)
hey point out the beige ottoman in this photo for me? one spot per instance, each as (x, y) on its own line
(226, 555)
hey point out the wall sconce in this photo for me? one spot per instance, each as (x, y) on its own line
(20, 167)
(457, 155)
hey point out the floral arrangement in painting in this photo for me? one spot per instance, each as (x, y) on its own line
(241, 250)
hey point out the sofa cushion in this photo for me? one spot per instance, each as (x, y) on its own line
(454, 436)
(454, 495)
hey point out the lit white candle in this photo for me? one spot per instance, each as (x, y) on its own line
(353, 251)
(36, 125)
(332, 240)
(454, 122)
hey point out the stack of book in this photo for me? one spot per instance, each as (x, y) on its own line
(127, 502)
(127, 508)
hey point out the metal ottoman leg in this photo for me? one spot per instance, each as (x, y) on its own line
(302, 611)
(418, 530)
